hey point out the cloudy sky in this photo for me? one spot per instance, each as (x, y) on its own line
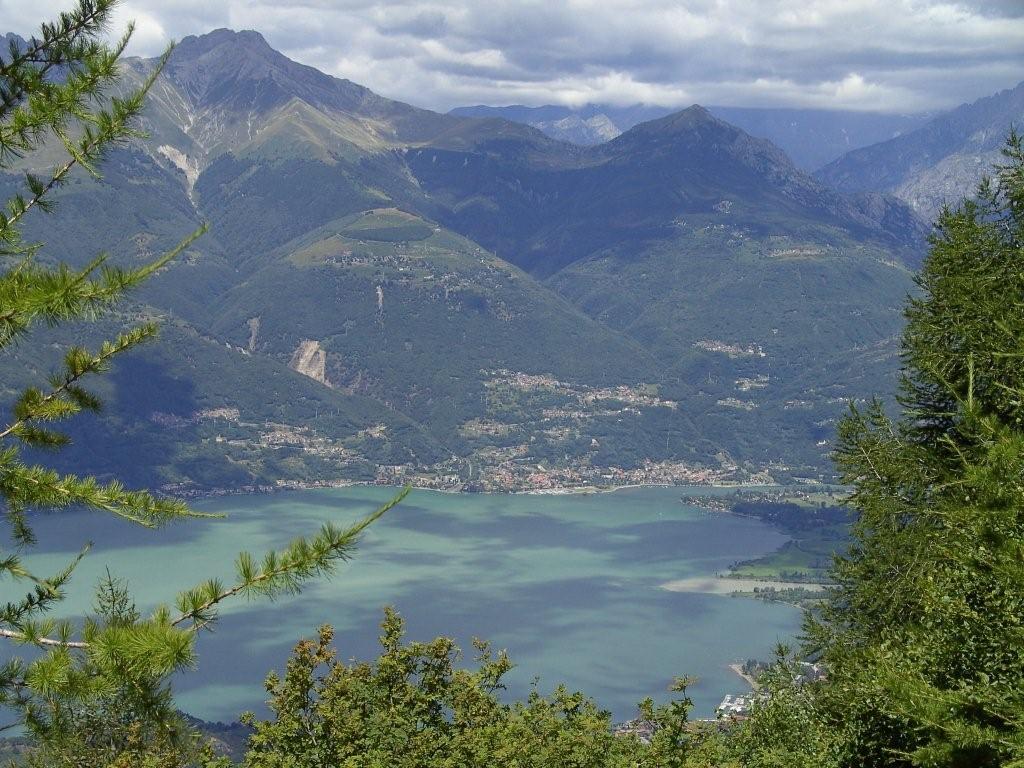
(889, 55)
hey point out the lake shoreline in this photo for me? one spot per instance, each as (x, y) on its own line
(738, 669)
(566, 490)
(728, 585)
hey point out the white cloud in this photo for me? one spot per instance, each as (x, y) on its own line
(893, 55)
(149, 34)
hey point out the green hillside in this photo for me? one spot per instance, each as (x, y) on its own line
(759, 327)
(226, 419)
(768, 300)
(418, 317)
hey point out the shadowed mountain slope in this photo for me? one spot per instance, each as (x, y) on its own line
(542, 211)
(811, 137)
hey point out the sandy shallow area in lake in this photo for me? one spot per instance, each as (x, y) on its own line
(715, 585)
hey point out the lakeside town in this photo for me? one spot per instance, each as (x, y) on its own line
(538, 434)
(504, 476)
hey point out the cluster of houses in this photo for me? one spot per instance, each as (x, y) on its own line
(733, 709)
(738, 706)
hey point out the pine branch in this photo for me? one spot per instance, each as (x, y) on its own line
(51, 108)
(60, 45)
(281, 571)
(57, 295)
(45, 591)
(111, 127)
(24, 486)
(301, 561)
(52, 105)
(33, 405)
(45, 641)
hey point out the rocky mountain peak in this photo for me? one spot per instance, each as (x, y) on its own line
(9, 38)
(246, 39)
(696, 138)
(692, 127)
(240, 70)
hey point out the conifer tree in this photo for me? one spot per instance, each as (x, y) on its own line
(94, 693)
(924, 635)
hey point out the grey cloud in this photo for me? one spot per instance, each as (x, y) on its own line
(421, 24)
(1006, 9)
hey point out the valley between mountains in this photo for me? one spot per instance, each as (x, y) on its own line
(395, 295)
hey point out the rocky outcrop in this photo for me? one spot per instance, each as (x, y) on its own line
(310, 360)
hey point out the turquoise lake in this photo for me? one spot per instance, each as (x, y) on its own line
(569, 584)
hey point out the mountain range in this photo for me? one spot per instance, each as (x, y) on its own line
(811, 137)
(396, 293)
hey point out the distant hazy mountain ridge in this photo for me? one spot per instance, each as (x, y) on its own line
(940, 162)
(811, 137)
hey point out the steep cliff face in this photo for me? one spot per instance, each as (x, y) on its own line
(310, 360)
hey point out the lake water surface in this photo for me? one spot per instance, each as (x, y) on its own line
(568, 584)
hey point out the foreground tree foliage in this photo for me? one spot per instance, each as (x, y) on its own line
(924, 635)
(414, 706)
(92, 693)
